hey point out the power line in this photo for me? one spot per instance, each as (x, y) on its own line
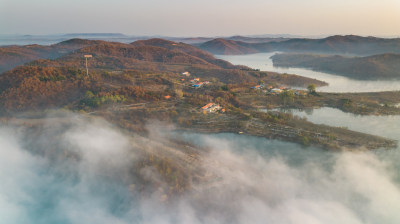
(86, 57)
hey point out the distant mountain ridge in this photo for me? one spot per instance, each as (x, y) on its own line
(350, 44)
(95, 34)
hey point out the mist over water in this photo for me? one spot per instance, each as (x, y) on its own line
(249, 180)
(336, 83)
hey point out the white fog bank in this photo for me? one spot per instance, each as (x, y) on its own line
(250, 180)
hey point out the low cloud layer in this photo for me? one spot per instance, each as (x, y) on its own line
(88, 178)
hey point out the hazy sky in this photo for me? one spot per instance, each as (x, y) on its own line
(201, 18)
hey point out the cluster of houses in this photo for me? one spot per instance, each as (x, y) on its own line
(194, 82)
(197, 84)
(212, 108)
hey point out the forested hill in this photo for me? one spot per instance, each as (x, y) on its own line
(229, 47)
(184, 48)
(154, 50)
(145, 55)
(376, 67)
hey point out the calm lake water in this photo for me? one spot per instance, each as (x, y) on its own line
(337, 83)
(386, 126)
